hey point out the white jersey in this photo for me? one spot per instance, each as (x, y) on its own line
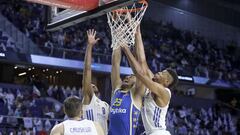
(97, 111)
(153, 116)
(83, 127)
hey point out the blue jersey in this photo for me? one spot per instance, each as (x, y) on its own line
(123, 114)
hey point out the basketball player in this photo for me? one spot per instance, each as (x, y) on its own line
(75, 125)
(126, 100)
(93, 108)
(156, 100)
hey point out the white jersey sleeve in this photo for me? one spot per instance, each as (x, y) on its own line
(153, 116)
(83, 127)
(97, 111)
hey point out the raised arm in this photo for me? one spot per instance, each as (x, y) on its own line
(87, 71)
(115, 75)
(141, 53)
(156, 88)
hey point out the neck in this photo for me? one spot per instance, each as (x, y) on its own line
(75, 118)
(127, 88)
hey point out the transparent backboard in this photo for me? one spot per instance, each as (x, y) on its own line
(61, 18)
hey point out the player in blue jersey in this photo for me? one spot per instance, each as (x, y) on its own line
(126, 99)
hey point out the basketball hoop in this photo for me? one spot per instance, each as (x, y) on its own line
(123, 23)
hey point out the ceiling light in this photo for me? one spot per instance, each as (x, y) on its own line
(21, 74)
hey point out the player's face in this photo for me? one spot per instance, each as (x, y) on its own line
(129, 81)
(95, 90)
(162, 78)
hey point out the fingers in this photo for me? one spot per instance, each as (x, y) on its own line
(94, 32)
(88, 32)
(91, 32)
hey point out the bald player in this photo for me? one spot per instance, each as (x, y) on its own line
(75, 125)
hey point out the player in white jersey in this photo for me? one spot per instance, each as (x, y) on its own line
(75, 125)
(93, 108)
(156, 100)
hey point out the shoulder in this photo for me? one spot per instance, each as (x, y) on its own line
(87, 121)
(91, 101)
(57, 129)
(117, 90)
(104, 104)
(169, 91)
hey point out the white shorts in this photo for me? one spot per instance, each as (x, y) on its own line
(160, 132)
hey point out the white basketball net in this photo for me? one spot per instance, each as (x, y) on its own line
(123, 24)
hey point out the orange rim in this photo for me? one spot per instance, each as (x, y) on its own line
(144, 2)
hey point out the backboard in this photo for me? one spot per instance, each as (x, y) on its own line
(61, 18)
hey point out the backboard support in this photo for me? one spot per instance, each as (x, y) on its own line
(68, 17)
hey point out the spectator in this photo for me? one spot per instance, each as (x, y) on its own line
(48, 125)
(10, 98)
(50, 91)
(28, 122)
(2, 47)
(11, 45)
(38, 124)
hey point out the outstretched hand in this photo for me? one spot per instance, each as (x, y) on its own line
(91, 33)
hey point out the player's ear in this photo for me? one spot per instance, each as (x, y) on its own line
(167, 81)
(64, 110)
(81, 112)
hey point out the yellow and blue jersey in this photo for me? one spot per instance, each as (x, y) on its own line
(123, 114)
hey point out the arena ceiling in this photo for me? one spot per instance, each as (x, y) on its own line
(225, 11)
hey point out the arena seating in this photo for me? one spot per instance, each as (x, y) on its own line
(188, 52)
(7, 43)
(180, 120)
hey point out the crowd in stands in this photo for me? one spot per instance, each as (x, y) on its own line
(61, 93)
(190, 53)
(24, 112)
(166, 46)
(210, 121)
(7, 44)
